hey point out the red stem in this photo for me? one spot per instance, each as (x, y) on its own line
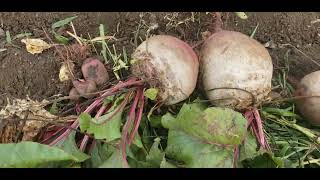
(53, 134)
(75, 124)
(108, 92)
(78, 109)
(256, 133)
(92, 145)
(126, 127)
(235, 156)
(260, 127)
(84, 143)
(138, 120)
(255, 121)
(249, 117)
(120, 85)
(118, 109)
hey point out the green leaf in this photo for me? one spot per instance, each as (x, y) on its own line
(196, 154)
(281, 112)
(63, 22)
(97, 157)
(69, 145)
(248, 149)
(146, 133)
(167, 120)
(216, 125)
(114, 161)
(120, 66)
(54, 108)
(155, 121)
(166, 164)
(31, 154)
(155, 155)
(107, 126)
(204, 137)
(108, 100)
(151, 93)
(278, 161)
(109, 130)
(84, 120)
(60, 38)
(265, 161)
(99, 154)
(137, 141)
(139, 158)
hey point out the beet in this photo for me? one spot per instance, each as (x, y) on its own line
(73, 94)
(310, 107)
(231, 59)
(168, 64)
(93, 69)
(85, 87)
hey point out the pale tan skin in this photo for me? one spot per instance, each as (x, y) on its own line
(310, 107)
(174, 63)
(233, 60)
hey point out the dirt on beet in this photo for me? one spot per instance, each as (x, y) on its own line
(293, 34)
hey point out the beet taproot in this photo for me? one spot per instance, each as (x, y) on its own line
(309, 107)
(73, 94)
(84, 88)
(94, 69)
(234, 69)
(168, 64)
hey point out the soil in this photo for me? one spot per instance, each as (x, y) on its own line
(22, 73)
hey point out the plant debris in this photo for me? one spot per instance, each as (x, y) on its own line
(65, 72)
(35, 46)
(31, 116)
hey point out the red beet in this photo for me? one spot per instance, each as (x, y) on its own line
(93, 69)
(73, 94)
(85, 87)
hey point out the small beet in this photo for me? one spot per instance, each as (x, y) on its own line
(73, 94)
(85, 87)
(310, 107)
(93, 69)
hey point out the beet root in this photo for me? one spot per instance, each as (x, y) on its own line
(73, 94)
(85, 87)
(168, 64)
(233, 60)
(310, 107)
(93, 69)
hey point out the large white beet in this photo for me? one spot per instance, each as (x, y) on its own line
(310, 107)
(169, 64)
(233, 60)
